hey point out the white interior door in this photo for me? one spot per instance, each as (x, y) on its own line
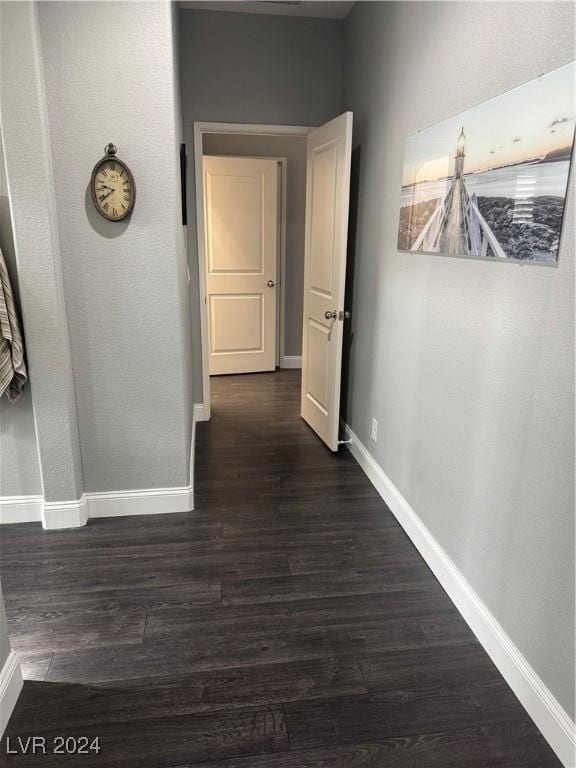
(327, 202)
(241, 225)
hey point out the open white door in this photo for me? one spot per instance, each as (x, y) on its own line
(327, 202)
(241, 225)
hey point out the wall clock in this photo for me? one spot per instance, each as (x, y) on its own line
(112, 186)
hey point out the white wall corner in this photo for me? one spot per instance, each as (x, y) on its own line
(549, 716)
(200, 412)
(21, 509)
(149, 501)
(11, 683)
(65, 514)
(56, 515)
(192, 458)
(291, 361)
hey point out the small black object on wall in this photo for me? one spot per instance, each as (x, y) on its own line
(183, 161)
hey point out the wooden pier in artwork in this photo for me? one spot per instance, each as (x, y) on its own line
(456, 225)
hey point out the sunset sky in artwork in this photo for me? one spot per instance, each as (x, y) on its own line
(520, 125)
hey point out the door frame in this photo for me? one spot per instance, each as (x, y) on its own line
(200, 128)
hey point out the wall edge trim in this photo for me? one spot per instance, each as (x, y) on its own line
(291, 361)
(65, 514)
(539, 702)
(74, 514)
(21, 509)
(145, 501)
(200, 412)
(11, 683)
(192, 457)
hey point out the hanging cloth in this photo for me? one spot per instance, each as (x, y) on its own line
(13, 375)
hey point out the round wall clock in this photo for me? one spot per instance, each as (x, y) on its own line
(112, 186)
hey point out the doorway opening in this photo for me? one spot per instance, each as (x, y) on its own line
(250, 189)
(272, 257)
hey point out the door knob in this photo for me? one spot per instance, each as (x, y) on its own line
(270, 283)
(333, 314)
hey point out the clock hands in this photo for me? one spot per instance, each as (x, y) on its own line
(103, 197)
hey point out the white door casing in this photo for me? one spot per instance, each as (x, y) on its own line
(241, 225)
(327, 204)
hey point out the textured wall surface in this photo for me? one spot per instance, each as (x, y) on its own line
(19, 467)
(110, 76)
(467, 365)
(29, 174)
(246, 68)
(293, 148)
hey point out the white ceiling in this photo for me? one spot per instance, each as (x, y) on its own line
(326, 9)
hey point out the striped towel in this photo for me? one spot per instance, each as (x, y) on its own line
(13, 374)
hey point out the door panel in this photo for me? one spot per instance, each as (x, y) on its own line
(317, 368)
(236, 323)
(323, 191)
(327, 201)
(234, 223)
(241, 216)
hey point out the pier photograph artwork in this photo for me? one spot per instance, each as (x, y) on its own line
(491, 182)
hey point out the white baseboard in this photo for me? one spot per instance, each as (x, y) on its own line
(74, 514)
(291, 361)
(549, 716)
(21, 509)
(65, 514)
(151, 501)
(11, 683)
(200, 412)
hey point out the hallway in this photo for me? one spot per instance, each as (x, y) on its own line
(287, 622)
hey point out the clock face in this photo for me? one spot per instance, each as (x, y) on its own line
(113, 190)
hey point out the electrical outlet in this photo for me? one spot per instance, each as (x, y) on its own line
(374, 430)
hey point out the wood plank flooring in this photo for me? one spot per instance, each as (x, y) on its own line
(287, 622)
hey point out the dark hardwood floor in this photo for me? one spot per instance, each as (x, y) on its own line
(287, 622)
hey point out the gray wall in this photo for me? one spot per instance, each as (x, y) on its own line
(19, 466)
(294, 149)
(125, 284)
(30, 182)
(254, 69)
(467, 365)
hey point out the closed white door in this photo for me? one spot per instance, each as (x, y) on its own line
(241, 224)
(327, 203)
